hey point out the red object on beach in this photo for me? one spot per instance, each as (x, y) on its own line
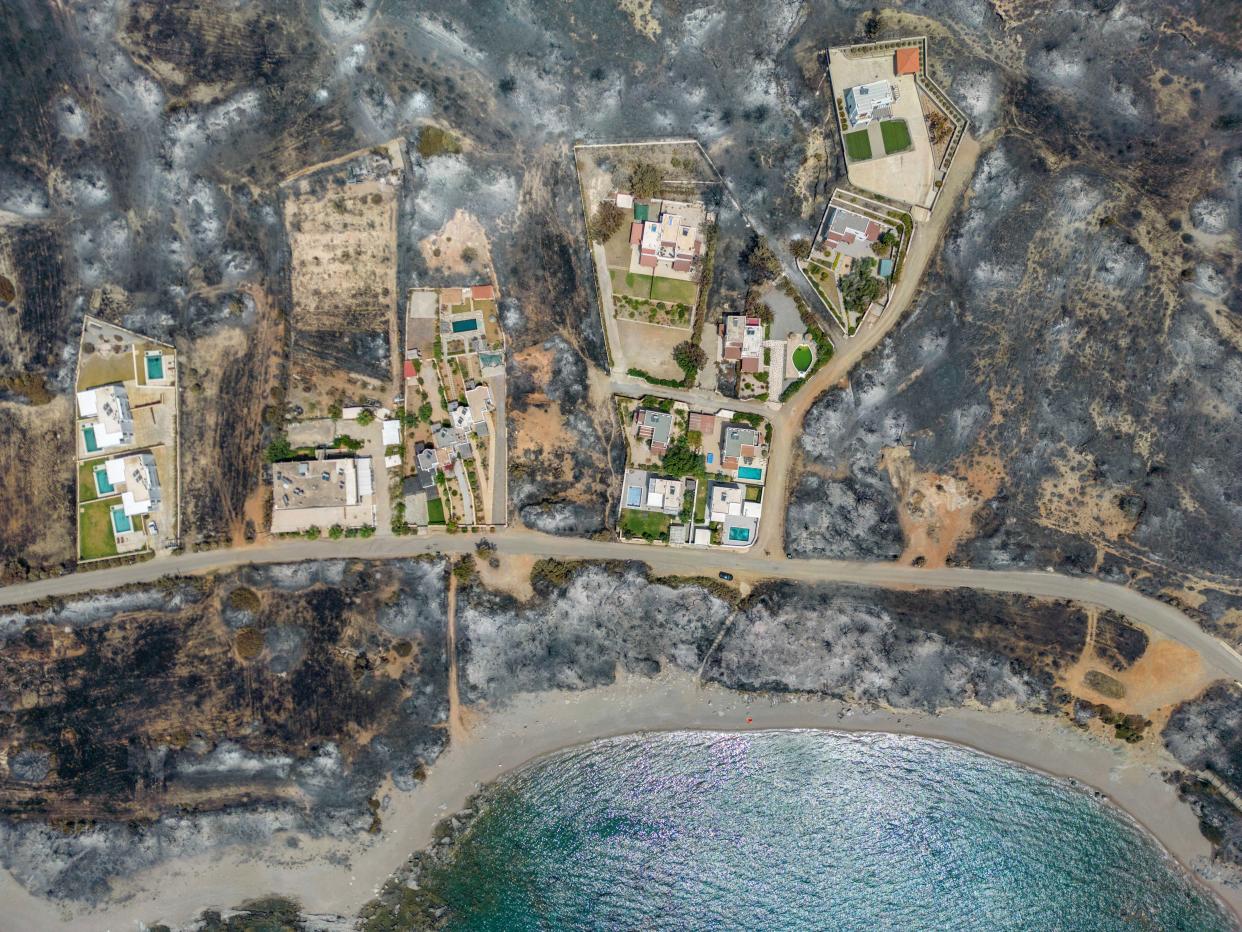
(749, 720)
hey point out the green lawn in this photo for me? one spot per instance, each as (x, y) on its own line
(802, 358)
(645, 524)
(435, 511)
(86, 480)
(628, 283)
(95, 530)
(674, 290)
(896, 136)
(858, 145)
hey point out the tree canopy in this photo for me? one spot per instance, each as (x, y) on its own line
(646, 180)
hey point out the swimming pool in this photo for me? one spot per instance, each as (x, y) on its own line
(739, 533)
(749, 472)
(102, 485)
(155, 366)
(88, 435)
(121, 522)
(465, 326)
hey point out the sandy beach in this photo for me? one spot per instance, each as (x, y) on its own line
(337, 878)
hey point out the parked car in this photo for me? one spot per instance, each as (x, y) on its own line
(727, 577)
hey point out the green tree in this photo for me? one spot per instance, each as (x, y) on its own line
(366, 417)
(689, 356)
(334, 411)
(646, 180)
(278, 450)
(607, 221)
(681, 460)
(336, 532)
(859, 288)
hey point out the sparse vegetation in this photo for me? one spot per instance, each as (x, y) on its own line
(762, 264)
(434, 141)
(859, 287)
(249, 643)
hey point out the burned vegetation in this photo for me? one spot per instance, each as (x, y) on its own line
(924, 650)
(1065, 392)
(223, 692)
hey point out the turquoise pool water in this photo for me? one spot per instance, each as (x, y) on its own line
(121, 522)
(739, 533)
(88, 435)
(749, 472)
(102, 485)
(155, 366)
(784, 830)
(464, 326)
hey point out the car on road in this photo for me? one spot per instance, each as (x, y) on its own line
(727, 577)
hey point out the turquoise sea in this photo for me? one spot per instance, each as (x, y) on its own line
(806, 830)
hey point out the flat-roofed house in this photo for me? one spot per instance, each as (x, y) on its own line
(743, 342)
(655, 426)
(866, 102)
(738, 443)
(108, 421)
(724, 499)
(672, 240)
(665, 494)
(136, 479)
(321, 493)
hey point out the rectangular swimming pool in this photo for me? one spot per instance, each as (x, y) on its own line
(121, 522)
(155, 366)
(88, 435)
(749, 472)
(465, 326)
(102, 485)
(739, 533)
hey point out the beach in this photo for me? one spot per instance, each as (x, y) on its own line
(333, 877)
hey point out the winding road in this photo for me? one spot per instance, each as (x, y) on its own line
(665, 560)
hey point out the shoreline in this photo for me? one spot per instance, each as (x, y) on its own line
(534, 726)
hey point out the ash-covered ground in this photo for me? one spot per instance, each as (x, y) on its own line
(144, 143)
(924, 650)
(251, 707)
(1067, 391)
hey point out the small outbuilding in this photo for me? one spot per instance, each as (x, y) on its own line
(906, 61)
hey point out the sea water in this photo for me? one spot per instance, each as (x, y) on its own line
(806, 830)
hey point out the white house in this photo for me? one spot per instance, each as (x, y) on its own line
(107, 413)
(862, 101)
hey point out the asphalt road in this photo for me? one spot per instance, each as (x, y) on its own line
(677, 561)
